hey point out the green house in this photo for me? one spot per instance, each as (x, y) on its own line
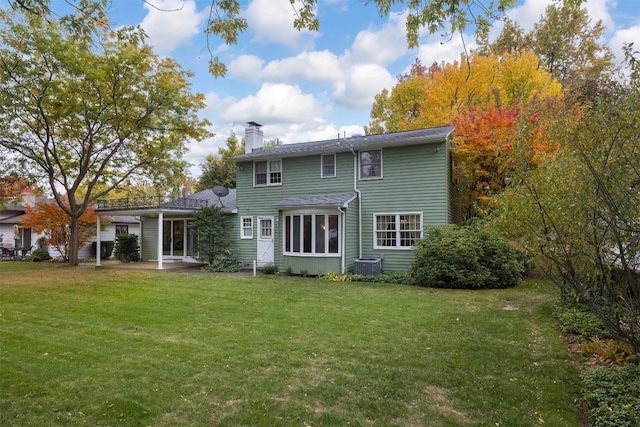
(355, 204)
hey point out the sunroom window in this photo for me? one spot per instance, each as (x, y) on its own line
(311, 234)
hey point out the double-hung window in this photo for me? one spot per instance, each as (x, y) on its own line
(311, 234)
(268, 172)
(328, 165)
(122, 229)
(397, 231)
(246, 227)
(370, 164)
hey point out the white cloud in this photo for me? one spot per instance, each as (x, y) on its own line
(171, 23)
(436, 50)
(383, 46)
(272, 22)
(314, 66)
(246, 67)
(362, 83)
(273, 103)
(626, 35)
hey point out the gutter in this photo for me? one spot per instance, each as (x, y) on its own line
(359, 193)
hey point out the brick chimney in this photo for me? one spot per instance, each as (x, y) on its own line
(254, 138)
(28, 198)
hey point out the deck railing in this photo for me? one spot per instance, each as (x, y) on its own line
(151, 202)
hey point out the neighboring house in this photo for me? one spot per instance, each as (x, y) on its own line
(356, 204)
(342, 205)
(12, 234)
(15, 236)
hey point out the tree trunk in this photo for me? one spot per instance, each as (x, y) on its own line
(73, 242)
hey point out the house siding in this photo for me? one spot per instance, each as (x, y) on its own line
(300, 176)
(413, 182)
(149, 238)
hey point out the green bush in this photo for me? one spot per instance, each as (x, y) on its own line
(270, 269)
(39, 254)
(224, 262)
(576, 321)
(466, 257)
(613, 395)
(127, 248)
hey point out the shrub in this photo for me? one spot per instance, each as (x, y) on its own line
(613, 395)
(127, 248)
(583, 324)
(466, 257)
(270, 269)
(394, 277)
(224, 262)
(39, 254)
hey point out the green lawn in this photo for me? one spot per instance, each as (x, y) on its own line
(98, 347)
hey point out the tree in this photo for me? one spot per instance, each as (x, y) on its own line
(89, 108)
(564, 39)
(435, 98)
(578, 212)
(219, 170)
(212, 227)
(11, 186)
(225, 21)
(51, 220)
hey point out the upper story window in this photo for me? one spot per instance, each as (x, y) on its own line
(268, 172)
(397, 231)
(371, 164)
(328, 165)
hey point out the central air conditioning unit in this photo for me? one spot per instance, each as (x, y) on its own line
(368, 266)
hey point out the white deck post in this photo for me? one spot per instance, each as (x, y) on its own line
(160, 227)
(98, 251)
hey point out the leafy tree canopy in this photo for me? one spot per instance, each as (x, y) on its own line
(87, 108)
(226, 23)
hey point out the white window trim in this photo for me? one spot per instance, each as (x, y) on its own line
(242, 227)
(313, 246)
(322, 175)
(269, 183)
(397, 215)
(368, 178)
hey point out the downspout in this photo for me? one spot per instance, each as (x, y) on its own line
(355, 188)
(343, 267)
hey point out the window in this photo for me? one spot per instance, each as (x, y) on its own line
(122, 229)
(311, 234)
(328, 165)
(397, 231)
(246, 227)
(371, 164)
(268, 172)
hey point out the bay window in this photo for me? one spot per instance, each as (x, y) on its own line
(311, 234)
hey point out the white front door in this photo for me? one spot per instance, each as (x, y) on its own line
(265, 241)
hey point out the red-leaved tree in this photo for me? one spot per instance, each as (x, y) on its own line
(49, 219)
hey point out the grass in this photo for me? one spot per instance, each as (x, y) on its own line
(86, 346)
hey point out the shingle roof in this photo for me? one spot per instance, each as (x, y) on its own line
(419, 136)
(316, 200)
(227, 203)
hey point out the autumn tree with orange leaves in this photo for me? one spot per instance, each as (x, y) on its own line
(50, 220)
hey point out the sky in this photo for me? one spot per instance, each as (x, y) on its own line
(307, 86)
